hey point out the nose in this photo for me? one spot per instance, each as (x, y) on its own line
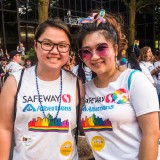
(54, 49)
(94, 55)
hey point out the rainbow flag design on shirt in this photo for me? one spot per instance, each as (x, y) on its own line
(48, 124)
(95, 123)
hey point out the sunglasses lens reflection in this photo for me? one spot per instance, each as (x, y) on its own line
(102, 50)
(85, 54)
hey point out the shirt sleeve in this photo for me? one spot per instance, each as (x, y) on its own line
(147, 73)
(143, 95)
(16, 68)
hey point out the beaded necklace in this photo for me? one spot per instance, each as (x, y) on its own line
(39, 93)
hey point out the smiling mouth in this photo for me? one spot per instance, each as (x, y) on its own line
(53, 58)
(97, 64)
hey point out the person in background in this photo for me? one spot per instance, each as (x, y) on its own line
(134, 53)
(84, 72)
(120, 115)
(28, 63)
(1, 51)
(46, 103)
(157, 65)
(2, 65)
(2, 70)
(13, 65)
(146, 59)
(21, 48)
(8, 57)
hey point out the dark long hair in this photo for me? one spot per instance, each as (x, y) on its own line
(133, 56)
(81, 72)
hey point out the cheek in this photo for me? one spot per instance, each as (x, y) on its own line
(87, 63)
(41, 55)
(65, 57)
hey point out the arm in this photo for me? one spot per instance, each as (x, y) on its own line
(82, 94)
(6, 116)
(154, 71)
(146, 110)
(149, 125)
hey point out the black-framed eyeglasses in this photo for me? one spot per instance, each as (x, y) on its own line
(48, 46)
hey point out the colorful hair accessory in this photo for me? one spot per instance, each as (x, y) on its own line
(100, 18)
(86, 20)
(123, 52)
(94, 18)
(123, 61)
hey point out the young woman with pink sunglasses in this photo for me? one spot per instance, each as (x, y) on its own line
(120, 115)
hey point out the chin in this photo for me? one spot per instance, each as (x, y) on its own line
(53, 66)
(98, 71)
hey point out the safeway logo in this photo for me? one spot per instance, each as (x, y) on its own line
(66, 98)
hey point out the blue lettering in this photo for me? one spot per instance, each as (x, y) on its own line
(29, 107)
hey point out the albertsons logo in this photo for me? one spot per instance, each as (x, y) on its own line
(29, 107)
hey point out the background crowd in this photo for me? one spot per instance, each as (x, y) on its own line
(104, 64)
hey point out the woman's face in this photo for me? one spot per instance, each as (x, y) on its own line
(103, 57)
(52, 59)
(149, 55)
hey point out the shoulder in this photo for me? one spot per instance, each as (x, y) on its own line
(144, 68)
(9, 65)
(139, 81)
(136, 74)
(74, 69)
(68, 74)
(27, 73)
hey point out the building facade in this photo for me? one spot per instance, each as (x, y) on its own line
(19, 18)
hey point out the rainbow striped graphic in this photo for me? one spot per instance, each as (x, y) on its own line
(94, 123)
(120, 96)
(48, 125)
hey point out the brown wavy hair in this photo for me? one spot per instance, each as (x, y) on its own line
(113, 30)
(143, 54)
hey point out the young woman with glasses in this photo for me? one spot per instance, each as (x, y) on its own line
(46, 103)
(120, 115)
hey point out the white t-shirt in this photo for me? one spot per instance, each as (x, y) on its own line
(109, 116)
(157, 64)
(87, 70)
(145, 71)
(150, 67)
(21, 49)
(13, 67)
(40, 138)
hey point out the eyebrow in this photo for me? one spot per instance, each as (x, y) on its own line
(45, 39)
(88, 47)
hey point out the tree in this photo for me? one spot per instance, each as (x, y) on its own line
(138, 6)
(43, 10)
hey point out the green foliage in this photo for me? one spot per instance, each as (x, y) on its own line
(143, 6)
(31, 54)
